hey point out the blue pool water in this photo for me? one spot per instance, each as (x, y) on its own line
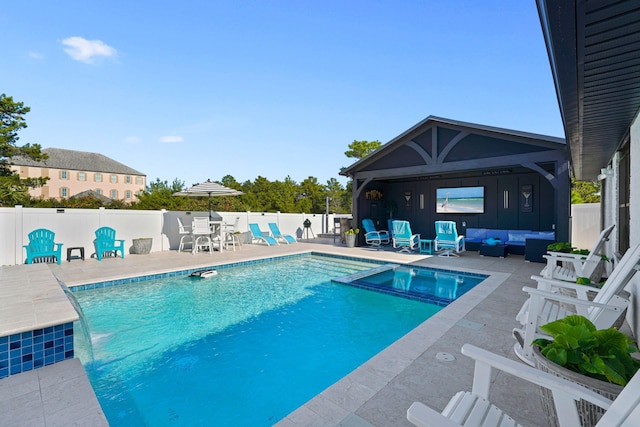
(243, 348)
(429, 285)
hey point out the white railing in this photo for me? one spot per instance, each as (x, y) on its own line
(76, 227)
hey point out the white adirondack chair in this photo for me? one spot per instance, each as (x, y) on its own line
(582, 265)
(545, 306)
(474, 409)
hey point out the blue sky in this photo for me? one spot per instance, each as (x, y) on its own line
(201, 89)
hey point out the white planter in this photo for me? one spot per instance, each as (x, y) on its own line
(589, 413)
(351, 240)
(142, 246)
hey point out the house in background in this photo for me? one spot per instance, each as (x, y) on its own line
(71, 172)
(519, 180)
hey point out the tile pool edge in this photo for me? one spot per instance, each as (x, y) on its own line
(128, 278)
(343, 398)
(121, 279)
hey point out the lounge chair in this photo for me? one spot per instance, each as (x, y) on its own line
(42, 246)
(286, 238)
(372, 236)
(447, 239)
(581, 265)
(474, 408)
(403, 237)
(106, 242)
(545, 306)
(260, 237)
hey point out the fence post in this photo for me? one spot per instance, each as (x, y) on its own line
(19, 222)
(101, 215)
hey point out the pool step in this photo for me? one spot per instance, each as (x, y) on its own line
(366, 273)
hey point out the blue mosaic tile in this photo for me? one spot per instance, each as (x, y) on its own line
(34, 349)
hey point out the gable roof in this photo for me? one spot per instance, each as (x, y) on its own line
(77, 160)
(91, 193)
(417, 145)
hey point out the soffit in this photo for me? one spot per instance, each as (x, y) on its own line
(594, 51)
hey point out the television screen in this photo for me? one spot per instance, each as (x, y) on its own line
(460, 200)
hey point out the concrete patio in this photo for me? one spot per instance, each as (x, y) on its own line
(377, 393)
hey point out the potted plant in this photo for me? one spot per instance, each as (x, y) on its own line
(564, 247)
(350, 236)
(597, 359)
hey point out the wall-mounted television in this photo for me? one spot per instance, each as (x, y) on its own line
(460, 200)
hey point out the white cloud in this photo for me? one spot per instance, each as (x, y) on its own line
(35, 55)
(171, 139)
(132, 140)
(86, 51)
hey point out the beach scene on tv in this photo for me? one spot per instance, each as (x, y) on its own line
(460, 200)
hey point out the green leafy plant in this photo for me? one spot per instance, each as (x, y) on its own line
(580, 251)
(577, 345)
(583, 281)
(352, 231)
(560, 247)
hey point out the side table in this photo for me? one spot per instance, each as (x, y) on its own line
(75, 248)
(494, 250)
(426, 246)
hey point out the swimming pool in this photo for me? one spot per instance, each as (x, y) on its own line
(245, 347)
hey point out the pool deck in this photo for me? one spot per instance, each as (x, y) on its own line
(377, 393)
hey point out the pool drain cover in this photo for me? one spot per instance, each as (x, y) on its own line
(445, 357)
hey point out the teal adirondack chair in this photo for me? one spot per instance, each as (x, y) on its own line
(41, 244)
(105, 241)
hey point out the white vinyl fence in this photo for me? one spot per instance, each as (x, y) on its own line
(76, 227)
(585, 225)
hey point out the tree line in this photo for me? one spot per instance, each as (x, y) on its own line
(260, 195)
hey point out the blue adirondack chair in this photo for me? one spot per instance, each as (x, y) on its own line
(41, 244)
(105, 241)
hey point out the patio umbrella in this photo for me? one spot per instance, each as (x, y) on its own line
(209, 189)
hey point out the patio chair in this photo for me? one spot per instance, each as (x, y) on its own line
(260, 237)
(106, 242)
(372, 236)
(474, 407)
(403, 238)
(186, 237)
(42, 246)
(286, 238)
(447, 239)
(231, 237)
(581, 265)
(545, 306)
(201, 231)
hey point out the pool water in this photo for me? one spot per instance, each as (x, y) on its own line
(243, 348)
(424, 284)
